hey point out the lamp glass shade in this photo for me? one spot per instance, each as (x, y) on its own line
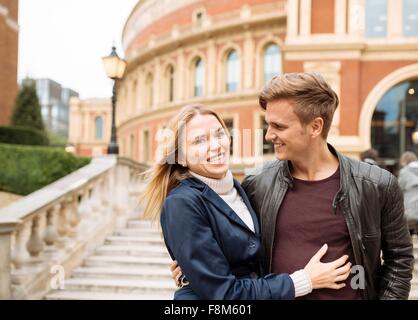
(121, 68)
(111, 64)
(415, 136)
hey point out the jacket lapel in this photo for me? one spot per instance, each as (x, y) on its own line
(244, 197)
(224, 208)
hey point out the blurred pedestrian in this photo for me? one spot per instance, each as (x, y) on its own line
(408, 181)
(371, 156)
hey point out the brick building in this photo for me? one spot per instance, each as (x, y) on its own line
(9, 31)
(220, 53)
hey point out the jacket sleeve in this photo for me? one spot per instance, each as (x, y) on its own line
(188, 234)
(397, 249)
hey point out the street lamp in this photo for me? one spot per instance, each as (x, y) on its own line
(114, 68)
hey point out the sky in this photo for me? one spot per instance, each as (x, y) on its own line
(64, 40)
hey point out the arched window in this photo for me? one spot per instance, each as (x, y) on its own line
(272, 62)
(149, 91)
(99, 128)
(376, 18)
(170, 83)
(394, 121)
(410, 18)
(232, 71)
(199, 74)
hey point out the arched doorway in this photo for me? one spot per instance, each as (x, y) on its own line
(394, 120)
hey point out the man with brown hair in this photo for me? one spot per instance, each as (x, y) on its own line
(313, 194)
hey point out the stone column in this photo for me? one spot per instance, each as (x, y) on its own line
(181, 75)
(211, 67)
(6, 230)
(292, 18)
(247, 61)
(395, 19)
(340, 15)
(305, 17)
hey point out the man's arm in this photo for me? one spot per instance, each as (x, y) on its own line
(398, 258)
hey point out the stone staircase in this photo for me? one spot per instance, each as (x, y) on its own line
(132, 264)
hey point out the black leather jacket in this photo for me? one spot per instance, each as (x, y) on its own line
(372, 204)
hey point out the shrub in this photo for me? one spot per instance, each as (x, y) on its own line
(25, 169)
(23, 135)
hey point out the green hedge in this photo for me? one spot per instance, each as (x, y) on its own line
(23, 135)
(25, 169)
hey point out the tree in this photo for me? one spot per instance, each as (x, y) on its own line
(27, 110)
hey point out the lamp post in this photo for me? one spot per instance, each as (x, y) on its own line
(114, 68)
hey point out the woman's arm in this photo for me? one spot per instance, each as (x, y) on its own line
(188, 234)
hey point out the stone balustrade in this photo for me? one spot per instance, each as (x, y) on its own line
(48, 233)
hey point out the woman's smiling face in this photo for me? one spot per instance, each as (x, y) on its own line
(207, 147)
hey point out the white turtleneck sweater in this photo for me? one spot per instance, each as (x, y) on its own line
(225, 189)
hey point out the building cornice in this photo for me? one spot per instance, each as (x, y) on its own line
(226, 100)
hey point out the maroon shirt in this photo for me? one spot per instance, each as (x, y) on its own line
(306, 221)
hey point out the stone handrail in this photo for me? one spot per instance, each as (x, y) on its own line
(48, 233)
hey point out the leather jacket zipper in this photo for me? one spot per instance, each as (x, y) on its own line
(350, 225)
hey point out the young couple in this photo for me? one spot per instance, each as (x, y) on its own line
(296, 225)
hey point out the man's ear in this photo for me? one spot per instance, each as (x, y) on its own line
(317, 125)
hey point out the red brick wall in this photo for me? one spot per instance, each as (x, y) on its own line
(8, 61)
(322, 20)
(183, 17)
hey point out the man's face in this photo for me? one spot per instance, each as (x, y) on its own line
(290, 138)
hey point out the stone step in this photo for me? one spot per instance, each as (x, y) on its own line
(121, 250)
(122, 261)
(87, 295)
(137, 232)
(120, 285)
(143, 224)
(137, 273)
(145, 240)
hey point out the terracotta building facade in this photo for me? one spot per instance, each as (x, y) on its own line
(9, 34)
(89, 123)
(221, 53)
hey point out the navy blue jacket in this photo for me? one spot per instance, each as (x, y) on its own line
(218, 253)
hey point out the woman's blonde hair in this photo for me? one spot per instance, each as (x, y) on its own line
(170, 167)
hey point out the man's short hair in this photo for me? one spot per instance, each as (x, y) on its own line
(369, 154)
(311, 95)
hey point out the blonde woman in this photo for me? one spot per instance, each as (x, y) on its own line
(208, 224)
